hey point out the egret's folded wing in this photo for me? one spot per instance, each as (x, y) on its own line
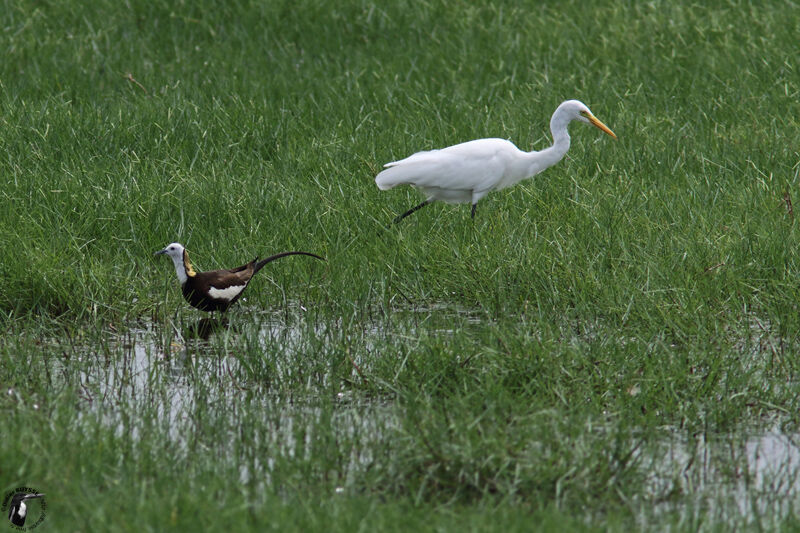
(473, 166)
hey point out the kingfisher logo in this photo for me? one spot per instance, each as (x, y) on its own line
(25, 507)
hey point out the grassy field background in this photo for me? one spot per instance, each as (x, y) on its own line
(610, 345)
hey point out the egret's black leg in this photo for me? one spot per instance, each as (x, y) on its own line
(412, 210)
(473, 211)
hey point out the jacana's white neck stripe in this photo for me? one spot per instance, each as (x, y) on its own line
(180, 269)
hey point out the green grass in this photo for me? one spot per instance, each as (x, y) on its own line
(525, 370)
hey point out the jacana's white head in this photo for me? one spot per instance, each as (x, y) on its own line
(180, 259)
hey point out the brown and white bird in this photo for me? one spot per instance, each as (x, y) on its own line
(216, 290)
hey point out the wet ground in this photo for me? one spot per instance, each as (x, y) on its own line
(179, 374)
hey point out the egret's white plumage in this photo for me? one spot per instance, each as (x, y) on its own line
(468, 171)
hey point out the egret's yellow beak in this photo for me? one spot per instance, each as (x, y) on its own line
(597, 124)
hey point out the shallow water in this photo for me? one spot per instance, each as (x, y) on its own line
(172, 376)
(746, 474)
(146, 377)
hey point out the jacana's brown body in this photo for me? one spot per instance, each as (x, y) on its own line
(216, 290)
(197, 289)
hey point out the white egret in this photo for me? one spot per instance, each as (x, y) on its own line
(468, 171)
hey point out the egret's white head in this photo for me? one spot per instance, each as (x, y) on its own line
(180, 259)
(577, 110)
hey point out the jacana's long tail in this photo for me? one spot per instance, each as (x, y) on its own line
(260, 264)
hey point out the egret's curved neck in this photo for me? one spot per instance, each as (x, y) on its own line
(558, 127)
(536, 162)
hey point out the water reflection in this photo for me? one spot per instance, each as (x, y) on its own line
(203, 328)
(747, 474)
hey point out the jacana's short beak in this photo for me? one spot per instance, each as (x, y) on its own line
(161, 252)
(596, 123)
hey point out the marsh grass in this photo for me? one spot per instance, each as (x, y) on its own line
(525, 370)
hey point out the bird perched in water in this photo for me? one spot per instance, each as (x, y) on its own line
(468, 171)
(216, 290)
(18, 510)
